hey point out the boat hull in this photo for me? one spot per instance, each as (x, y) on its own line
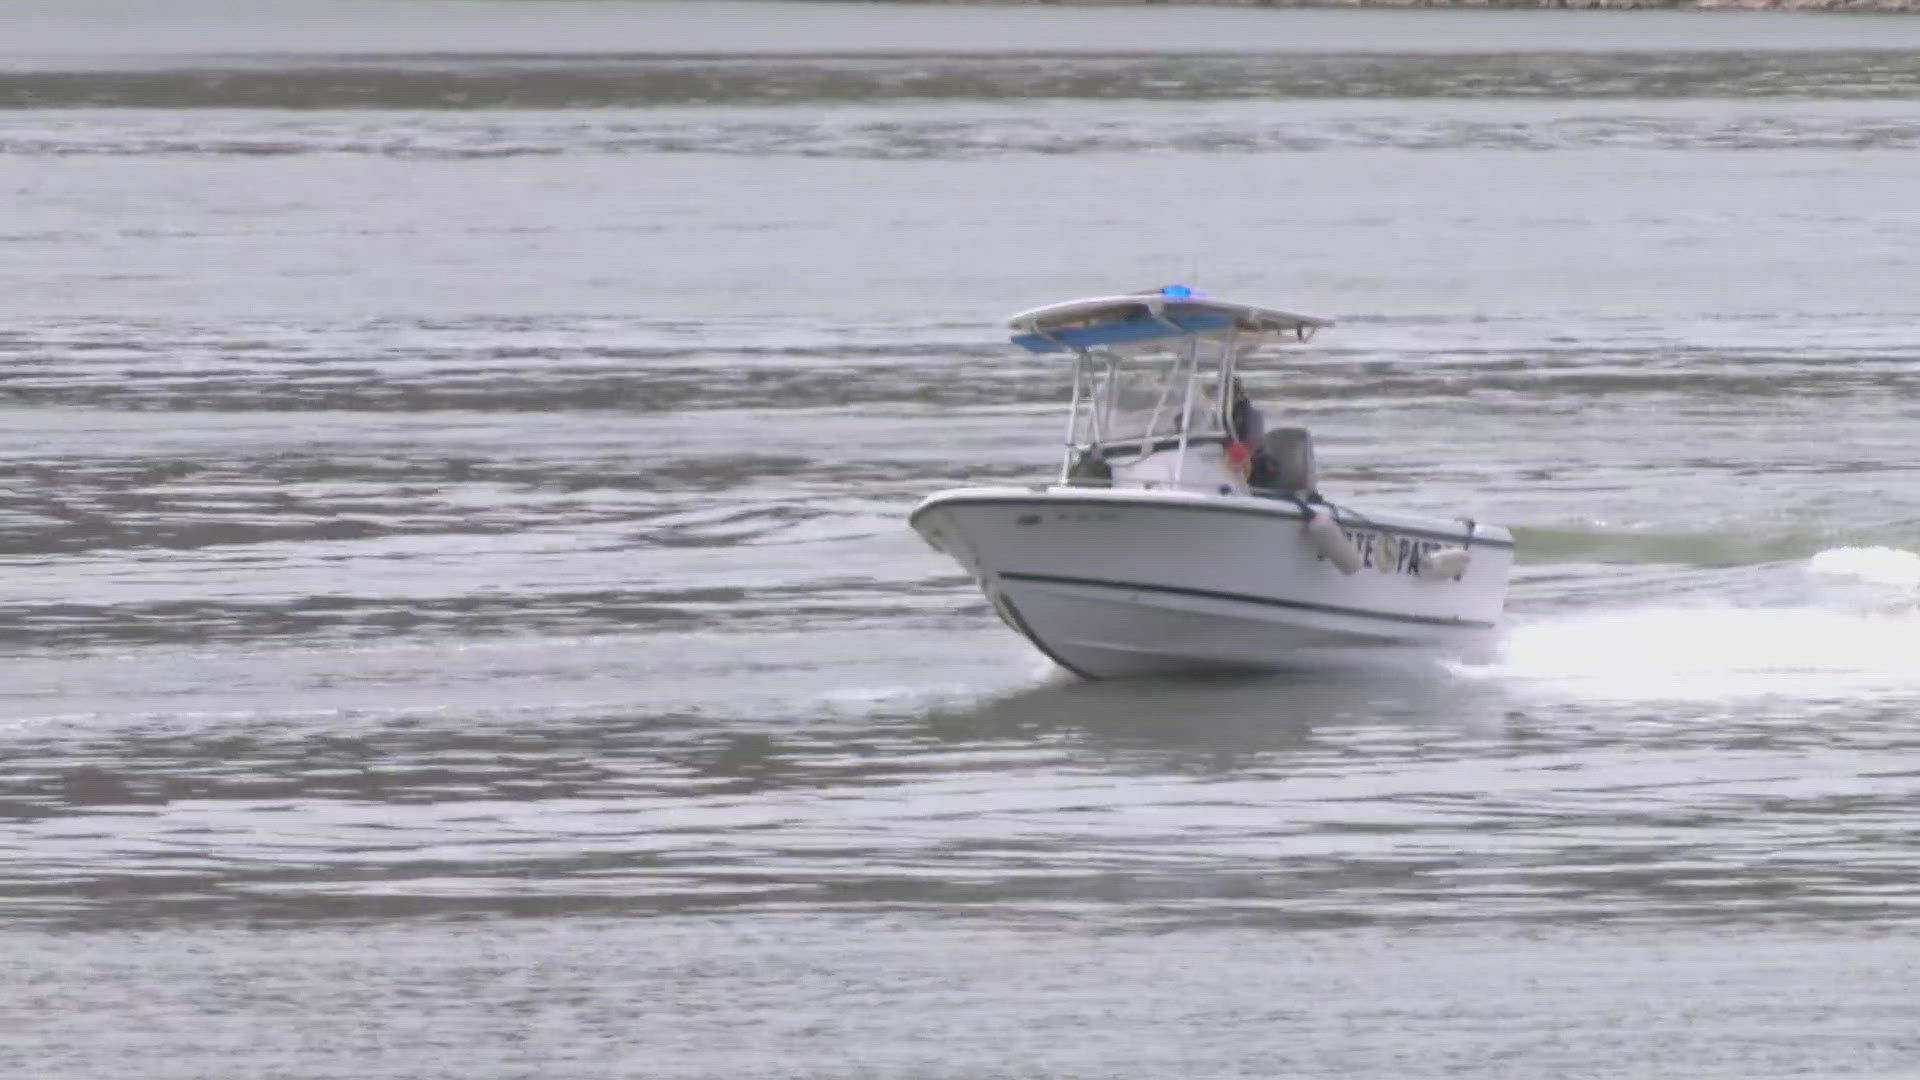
(1121, 582)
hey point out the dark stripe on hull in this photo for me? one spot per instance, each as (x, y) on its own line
(1210, 594)
(1020, 623)
(1276, 513)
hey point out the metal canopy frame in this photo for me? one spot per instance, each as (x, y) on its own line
(1103, 332)
(1095, 384)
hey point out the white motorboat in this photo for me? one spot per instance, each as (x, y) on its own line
(1177, 539)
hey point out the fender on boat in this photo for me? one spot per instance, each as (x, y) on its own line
(1449, 562)
(1331, 543)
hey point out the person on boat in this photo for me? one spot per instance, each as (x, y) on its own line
(1246, 447)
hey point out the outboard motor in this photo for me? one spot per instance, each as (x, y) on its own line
(1289, 453)
(1290, 449)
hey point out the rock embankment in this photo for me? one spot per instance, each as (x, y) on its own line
(1911, 6)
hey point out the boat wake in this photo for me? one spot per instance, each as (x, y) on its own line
(1883, 567)
(1853, 630)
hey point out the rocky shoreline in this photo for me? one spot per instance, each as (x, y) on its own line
(1865, 6)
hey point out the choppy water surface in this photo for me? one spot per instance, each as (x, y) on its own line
(454, 581)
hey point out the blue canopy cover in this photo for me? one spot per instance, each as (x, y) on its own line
(1137, 327)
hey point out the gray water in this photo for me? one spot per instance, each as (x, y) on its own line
(457, 617)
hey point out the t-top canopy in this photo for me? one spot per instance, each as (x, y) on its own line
(1174, 311)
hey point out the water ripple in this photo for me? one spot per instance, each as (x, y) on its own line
(587, 82)
(1042, 798)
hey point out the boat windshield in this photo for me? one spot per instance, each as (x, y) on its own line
(1146, 396)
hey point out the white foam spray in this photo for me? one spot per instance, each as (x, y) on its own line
(1883, 566)
(1856, 634)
